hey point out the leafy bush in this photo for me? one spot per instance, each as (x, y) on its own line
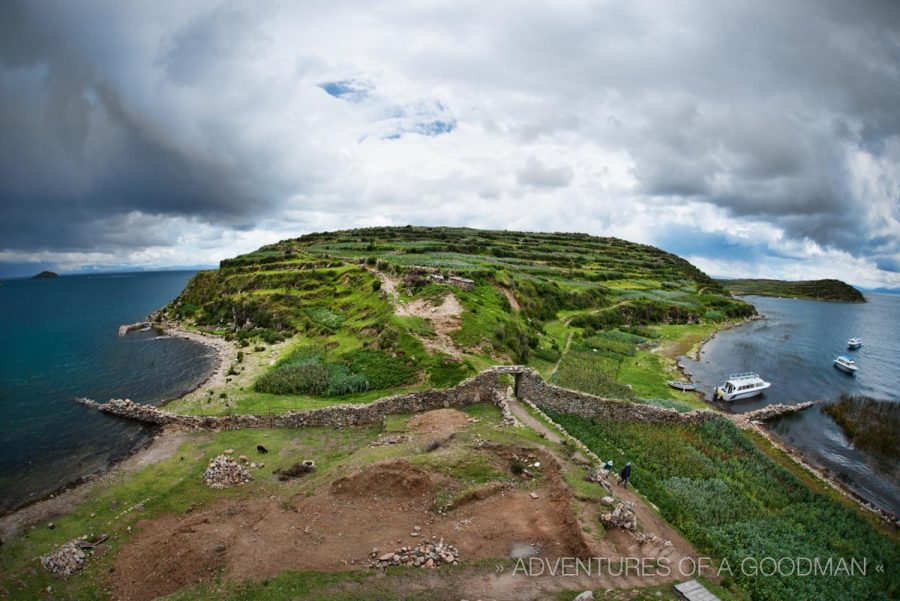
(325, 317)
(300, 377)
(447, 372)
(380, 369)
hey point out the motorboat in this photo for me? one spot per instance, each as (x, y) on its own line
(681, 385)
(854, 343)
(741, 386)
(846, 364)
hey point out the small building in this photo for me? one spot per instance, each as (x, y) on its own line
(464, 283)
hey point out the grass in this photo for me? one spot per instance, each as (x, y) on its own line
(174, 486)
(319, 289)
(733, 501)
(171, 486)
(868, 423)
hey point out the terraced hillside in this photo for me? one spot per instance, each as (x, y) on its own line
(829, 290)
(387, 309)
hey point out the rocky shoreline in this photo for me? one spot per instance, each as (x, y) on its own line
(747, 420)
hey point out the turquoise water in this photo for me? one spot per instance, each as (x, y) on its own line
(793, 348)
(59, 340)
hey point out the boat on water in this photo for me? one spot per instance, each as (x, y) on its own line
(854, 343)
(145, 328)
(680, 385)
(741, 386)
(846, 364)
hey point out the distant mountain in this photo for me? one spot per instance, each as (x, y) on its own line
(828, 290)
(45, 275)
(883, 290)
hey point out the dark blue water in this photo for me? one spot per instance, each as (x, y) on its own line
(793, 348)
(58, 340)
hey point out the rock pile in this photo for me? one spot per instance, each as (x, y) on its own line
(66, 560)
(621, 516)
(427, 554)
(389, 440)
(224, 472)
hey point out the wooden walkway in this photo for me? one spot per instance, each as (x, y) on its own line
(694, 591)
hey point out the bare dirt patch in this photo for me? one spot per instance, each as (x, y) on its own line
(510, 297)
(386, 479)
(443, 318)
(440, 423)
(336, 529)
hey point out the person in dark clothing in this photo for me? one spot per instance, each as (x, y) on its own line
(625, 475)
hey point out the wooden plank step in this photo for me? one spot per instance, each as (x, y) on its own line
(694, 591)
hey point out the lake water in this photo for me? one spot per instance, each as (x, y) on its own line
(58, 340)
(793, 348)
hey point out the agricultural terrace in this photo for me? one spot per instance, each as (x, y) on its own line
(353, 315)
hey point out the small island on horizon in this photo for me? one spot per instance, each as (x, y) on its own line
(45, 275)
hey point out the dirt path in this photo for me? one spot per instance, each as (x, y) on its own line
(649, 520)
(562, 354)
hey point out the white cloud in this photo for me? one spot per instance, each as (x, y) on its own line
(769, 130)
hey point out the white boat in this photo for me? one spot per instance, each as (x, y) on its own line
(741, 386)
(845, 364)
(854, 343)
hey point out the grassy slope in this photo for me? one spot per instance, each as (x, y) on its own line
(831, 290)
(323, 290)
(174, 486)
(734, 501)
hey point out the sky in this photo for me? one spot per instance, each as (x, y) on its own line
(754, 138)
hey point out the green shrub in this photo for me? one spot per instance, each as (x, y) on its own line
(380, 369)
(300, 377)
(325, 317)
(733, 502)
(447, 372)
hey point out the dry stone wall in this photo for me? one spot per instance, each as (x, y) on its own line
(531, 386)
(482, 388)
(486, 387)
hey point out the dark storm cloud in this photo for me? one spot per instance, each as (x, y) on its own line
(73, 158)
(129, 126)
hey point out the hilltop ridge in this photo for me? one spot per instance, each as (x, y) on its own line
(393, 307)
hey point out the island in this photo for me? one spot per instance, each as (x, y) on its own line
(405, 405)
(45, 275)
(827, 290)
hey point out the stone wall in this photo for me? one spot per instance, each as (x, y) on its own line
(530, 386)
(484, 387)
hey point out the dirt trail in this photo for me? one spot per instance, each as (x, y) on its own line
(648, 519)
(561, 354)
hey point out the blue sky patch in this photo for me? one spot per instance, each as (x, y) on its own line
(351, 90)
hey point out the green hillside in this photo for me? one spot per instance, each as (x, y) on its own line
(829, 290)
(374, 310)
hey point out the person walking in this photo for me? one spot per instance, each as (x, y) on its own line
(625, 475)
